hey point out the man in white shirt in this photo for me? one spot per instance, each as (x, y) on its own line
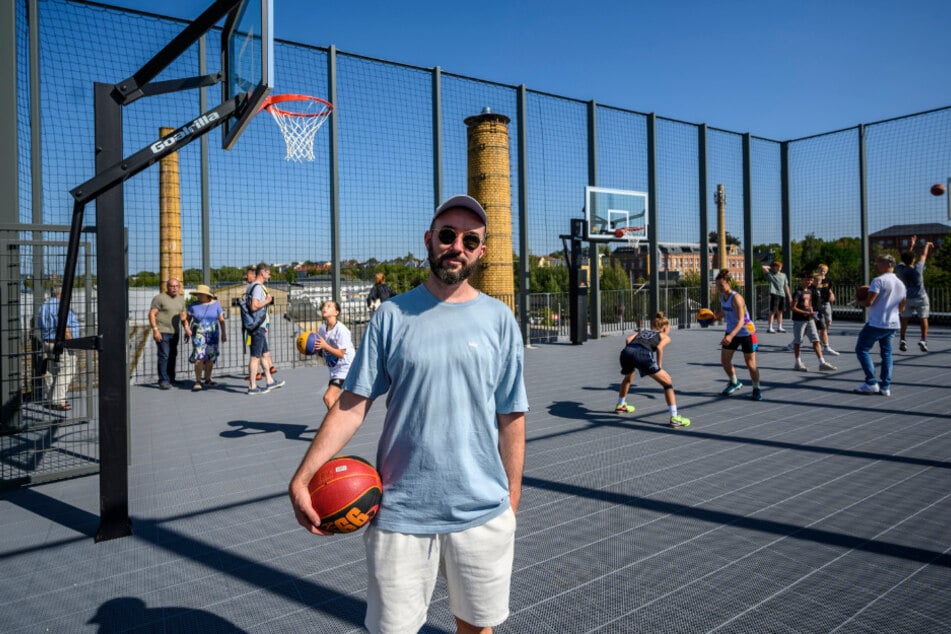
(885, 301)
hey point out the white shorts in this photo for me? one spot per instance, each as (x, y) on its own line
(402, 571)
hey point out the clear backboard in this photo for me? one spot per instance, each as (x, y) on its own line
(247, 59)
(615, 214)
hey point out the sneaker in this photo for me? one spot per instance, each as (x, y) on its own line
(885, 392)
(274, 386)
(923, 345)
(731, 388)
(254, 391)
(780, 329)
(771, 331)
(679, 421)
(800, 366)
(165, 386)
(825, 366)
(623, 408)
(902, 345)
(757, 394)
(829, 350)
(867, 388)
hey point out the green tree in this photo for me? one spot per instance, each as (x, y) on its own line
(614, 278)
(938, 266)
(549, 279)
(730, 238)
(691, 279)
(145, 278)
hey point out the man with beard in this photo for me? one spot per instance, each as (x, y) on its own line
(451, 453)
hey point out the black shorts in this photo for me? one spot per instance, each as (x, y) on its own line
(640, 359)
(744, 343)
(776, 303)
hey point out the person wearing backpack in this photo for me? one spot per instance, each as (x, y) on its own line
(249, 276)
(254, 319)
(379, 293)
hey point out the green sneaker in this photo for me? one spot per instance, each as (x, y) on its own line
(679, 421)
(623, 408)
(731, 388)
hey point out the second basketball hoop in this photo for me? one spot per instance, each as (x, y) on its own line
(299, 117)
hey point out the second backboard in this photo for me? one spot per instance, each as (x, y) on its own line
(614, 214)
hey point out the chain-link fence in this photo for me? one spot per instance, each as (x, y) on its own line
(398, 154)
(49, 426)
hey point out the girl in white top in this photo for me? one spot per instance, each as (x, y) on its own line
(335, 344)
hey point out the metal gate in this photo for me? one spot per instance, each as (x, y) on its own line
(42, 439)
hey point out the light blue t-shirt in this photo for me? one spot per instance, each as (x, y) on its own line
(447, 370)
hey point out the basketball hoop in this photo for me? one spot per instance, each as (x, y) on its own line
(631, 235)
(299, 123)
(633, 241)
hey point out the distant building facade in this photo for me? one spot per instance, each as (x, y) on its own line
(677, 259)
(898, 237)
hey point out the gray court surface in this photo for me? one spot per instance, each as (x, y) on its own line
(815, 510)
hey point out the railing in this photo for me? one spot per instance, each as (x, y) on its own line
(297, 308)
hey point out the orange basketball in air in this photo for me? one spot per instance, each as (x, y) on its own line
(346, 493)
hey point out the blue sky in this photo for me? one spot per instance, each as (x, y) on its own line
(780, 70)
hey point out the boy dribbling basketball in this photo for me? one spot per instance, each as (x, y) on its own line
(644, 352)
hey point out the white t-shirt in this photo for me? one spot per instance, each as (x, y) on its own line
(883, 313)
(338, 337)
(447, 369)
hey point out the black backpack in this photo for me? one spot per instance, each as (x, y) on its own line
(251, 321)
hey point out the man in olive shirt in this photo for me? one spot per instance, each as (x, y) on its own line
(165, 319)
(779, 295)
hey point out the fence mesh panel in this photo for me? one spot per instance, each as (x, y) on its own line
(263, 208)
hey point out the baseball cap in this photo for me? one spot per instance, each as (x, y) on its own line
(464, 202)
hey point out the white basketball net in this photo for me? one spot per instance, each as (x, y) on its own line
(299, 118)
(633, 241)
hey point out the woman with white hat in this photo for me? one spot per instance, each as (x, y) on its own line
(204, 321)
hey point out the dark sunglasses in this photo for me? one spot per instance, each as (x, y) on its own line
(448, 235)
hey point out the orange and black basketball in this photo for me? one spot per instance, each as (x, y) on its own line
(938, 189)
(346, 493)
(861, 293)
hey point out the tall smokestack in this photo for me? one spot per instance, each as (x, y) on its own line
(721, 227)
(490, 182)
(170, 217)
